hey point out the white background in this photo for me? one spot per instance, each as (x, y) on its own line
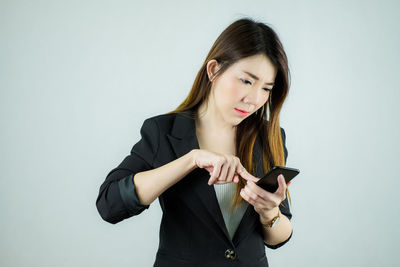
(78, 78)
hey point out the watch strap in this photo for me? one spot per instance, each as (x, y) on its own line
(273, 222)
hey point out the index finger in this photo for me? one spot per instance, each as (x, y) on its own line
(246, 175)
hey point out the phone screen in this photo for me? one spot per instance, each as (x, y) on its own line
(270, 183)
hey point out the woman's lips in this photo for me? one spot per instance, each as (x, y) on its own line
(241, 112)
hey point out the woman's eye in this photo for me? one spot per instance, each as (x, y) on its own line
(248, 82)
(245, 81)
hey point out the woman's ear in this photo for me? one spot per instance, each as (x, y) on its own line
(212, 67)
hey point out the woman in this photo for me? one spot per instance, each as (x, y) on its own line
(202, 160)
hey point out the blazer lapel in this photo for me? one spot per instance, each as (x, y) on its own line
(183, 139)
(250, 218)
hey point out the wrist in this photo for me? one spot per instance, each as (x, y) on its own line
(268, 216)
(193, 156)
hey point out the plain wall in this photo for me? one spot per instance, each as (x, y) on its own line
(78, 78)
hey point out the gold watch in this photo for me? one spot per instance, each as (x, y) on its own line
(274, 220)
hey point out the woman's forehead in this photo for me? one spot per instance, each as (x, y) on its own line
(259, 66)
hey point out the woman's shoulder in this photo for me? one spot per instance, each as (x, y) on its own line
(166, 120)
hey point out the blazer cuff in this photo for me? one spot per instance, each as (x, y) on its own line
(129, 195)
(279, 244)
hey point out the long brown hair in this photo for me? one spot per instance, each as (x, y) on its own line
(243, 38)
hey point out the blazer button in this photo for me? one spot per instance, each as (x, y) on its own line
(230, 254)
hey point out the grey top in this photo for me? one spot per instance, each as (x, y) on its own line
(232, 219)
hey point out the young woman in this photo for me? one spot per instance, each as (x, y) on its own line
(202, 160)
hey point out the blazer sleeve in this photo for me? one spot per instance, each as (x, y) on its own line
(117, 199)
(284, 206)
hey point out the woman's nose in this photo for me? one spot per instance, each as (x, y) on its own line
(253, 98)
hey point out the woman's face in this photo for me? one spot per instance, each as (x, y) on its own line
(244, 86)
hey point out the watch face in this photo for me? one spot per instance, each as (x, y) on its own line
(275, 220)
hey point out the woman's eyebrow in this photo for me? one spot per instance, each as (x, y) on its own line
(255, 77)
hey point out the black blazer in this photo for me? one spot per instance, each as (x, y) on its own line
(192, 230)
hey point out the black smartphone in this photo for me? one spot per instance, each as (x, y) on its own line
(270, 183)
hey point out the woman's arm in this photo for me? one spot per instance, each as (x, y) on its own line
(152, 183)
(118, 197)
(278, 234)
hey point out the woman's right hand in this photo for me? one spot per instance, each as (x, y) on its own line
(223, 168)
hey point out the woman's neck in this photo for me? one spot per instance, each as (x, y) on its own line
(208, 119)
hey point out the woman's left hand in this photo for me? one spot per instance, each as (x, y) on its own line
(264, 202)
